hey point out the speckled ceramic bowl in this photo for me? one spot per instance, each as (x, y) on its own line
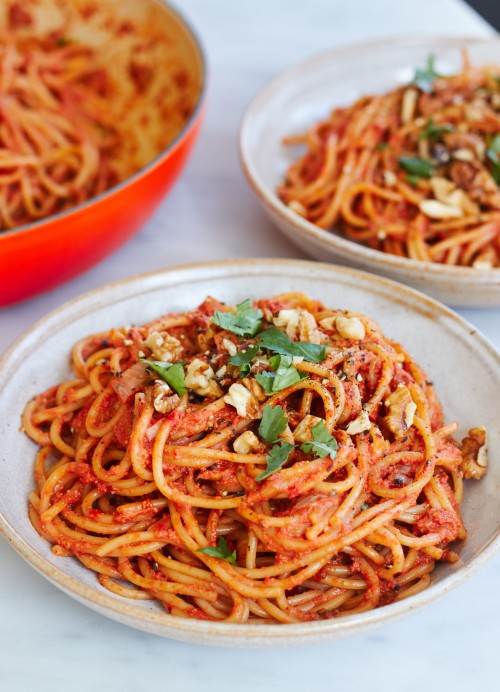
(464, 367)
(305, 94)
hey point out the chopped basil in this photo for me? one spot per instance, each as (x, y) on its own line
(276, 458)
(245, 321)
(493, 156)
(266, 381)
(172, 373)
(222, 551)
(416, 166)
(243, 359)
(273, 423)
(424, 77)
(278, 342)
(434, 131)
(285, 375)
(322, 444)
(413, 180)
(381, 146)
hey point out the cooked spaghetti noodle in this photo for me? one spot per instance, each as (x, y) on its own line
(56, 134)
(277, 463)
(413, 172)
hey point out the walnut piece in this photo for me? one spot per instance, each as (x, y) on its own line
(200, 378)
(359, 424)
(350, 327)
(475, 453)
(164, 347)
(401, 411)
(164, 399)
(243, 401)
(246, 443)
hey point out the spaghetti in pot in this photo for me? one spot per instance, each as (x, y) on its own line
(277, 462)
(56, 133)
(413, 172)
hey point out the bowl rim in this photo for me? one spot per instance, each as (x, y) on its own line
(171, 9)
(221, 633)
(345, 248)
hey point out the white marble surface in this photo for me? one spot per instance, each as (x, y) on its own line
(50, 643)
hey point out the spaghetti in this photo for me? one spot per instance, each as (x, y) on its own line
(413, 172)
(275, 463)
(56, 134)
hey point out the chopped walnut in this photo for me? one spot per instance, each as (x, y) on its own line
(164, 347)
(288, 319)
(257, 391)
(230, 346)
(359, 424)
(246, 443)
(200, 378)
(437, 210)
(401, 411)
(472, 177)
(475, 453)
(243, 401)
(164, 399)
(308, 328)
(350, 327)
(408, 105)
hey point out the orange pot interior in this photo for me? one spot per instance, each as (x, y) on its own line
(157, 73)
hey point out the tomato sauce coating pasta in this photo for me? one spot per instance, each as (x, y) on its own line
(277, 462)
(413, 172)
(56, 132)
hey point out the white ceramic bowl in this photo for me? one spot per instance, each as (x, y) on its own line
(465, 368)
(305, 94)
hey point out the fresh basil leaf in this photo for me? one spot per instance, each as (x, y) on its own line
(172, 373)
(276, 458)
(284, 376)
(222, 551)
(266, 381)
(273, 423)
(278, 342)
(245, 322)
(493, 155)
(243, 359)
(434, 131)
(381, 146)
(278, 361)
(416, 166)
(424, 77)
(413, 180)
(322, 444)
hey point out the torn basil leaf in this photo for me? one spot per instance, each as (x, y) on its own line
(276, 458)
(273, 423)
(222, 551)
(417, 167)
(172, 373)
(246, 321)
(424, 77)
(243, 359)
(278, 342)
(322, 444)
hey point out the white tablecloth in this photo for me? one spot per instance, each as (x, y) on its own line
(48, 642)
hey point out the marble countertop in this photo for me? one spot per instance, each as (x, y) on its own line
(50, 643)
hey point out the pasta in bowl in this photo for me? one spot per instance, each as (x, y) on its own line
(438, 340)
(396, 168)
(275, 462)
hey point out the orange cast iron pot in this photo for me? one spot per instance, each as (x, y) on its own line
(43, 254)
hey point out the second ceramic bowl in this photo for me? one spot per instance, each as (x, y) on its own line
(305, 94)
